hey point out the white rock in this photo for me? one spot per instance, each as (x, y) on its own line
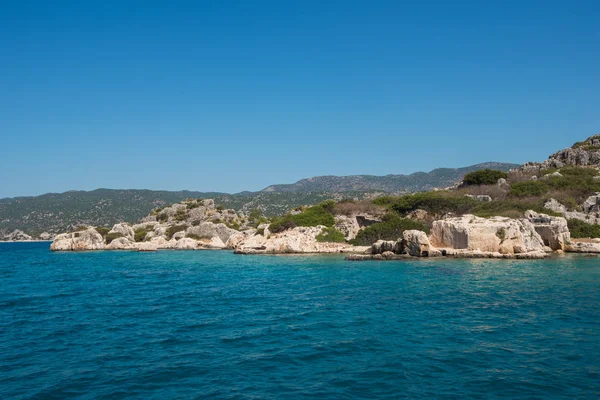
(124, 230)
(88, 239)
(497, 234)
(553, 230)
(416, 243)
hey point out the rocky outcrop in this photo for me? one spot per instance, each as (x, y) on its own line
(85, 239)
(190, 225)
(297, 240)
(494, 235)
(351, 225)
(382, 246)
(553, 230)
(583, 246)
(123, 229)
(17, 236)
(416, 243)
(588, 217)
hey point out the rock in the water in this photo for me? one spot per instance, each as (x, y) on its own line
(381, 246)
(17, 236)
(88, 239)
(416, 243)
(186, 244)
(584, 246)
(497, 234)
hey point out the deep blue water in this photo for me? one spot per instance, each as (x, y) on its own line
(214, 325)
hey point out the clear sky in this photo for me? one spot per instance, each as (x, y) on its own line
(237, 95)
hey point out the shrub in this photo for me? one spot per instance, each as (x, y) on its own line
(528, 189)
(437, 203)
(331, 235)
(352, 207)
(102, 230)
(112, 236)
(140, 234)
(511, 208)
(483, 177)
(282, 224)
(256, 218)
(220, 207)
(581, 229)
(312, 216)
(81, 228)
(198, 237)
(180, 215)
(391, 228)
(260, 231)
(174, 229)
(162, 217)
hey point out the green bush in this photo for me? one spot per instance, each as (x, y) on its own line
(180, 215)
(581, 229)
(220, 207)
(391, 228)
(483, 177)
(437, 203)
(174, 229)
(331, 235)
(198, 237)
(256, 218)
(312, 216)
(102, 230)
(81, 228)
(511, 208)
(112, 236)
(162, 217)
(528, 189)
(140, 234)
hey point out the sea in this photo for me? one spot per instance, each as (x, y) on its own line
(214, 325)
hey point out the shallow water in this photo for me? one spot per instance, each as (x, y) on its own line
(214, 325)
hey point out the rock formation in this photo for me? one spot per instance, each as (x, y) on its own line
(496, 235)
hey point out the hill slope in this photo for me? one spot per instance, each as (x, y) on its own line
(419, 181)
(60, 212)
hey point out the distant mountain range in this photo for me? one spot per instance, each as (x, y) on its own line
(419, 181)
(59, 212)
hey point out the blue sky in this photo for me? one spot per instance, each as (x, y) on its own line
(238, 95)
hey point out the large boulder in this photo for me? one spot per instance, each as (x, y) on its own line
(123, 229)
(584, 246)
(87, 239)
(416, 243)
(122, 243)
(497, 234)
(209, 230)
(382, 246)
(555, 206)
(186, 244)
(553, 230)
(592, 204)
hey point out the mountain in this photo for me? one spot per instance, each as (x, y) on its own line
(419, 181)
(60, 212)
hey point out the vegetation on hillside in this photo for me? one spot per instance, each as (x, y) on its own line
(391, 228)
(484, 177)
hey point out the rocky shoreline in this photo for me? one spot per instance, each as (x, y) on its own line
(199, 225)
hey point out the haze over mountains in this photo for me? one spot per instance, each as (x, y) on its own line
(58, 212)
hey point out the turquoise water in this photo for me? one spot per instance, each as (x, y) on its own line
(214, 325)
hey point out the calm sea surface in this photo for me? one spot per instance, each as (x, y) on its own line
(213, 325)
